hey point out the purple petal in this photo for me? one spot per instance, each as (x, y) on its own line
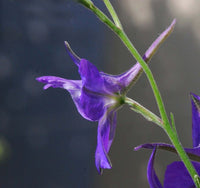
(177, 176)
(195, 100)
(58, 82)
(93, 96)
(128, 78)
(73, 56)
(93, 105)
(92, 80)
(151, 174)
(72, 86)
(156, 44)
(193, 153)
(105, 136)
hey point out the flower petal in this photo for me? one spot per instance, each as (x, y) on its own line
(195, 100)
(105, 136)
(129, 78)
(151, 174)
(193, 153)
(73, 56)
(92, 80)
(177, 176)
(58, 82)
(156, 44)
(72, 86)
(93, 105)
(94, 95)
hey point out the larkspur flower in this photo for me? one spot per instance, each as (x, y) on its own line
(176, 174)
(98, 95)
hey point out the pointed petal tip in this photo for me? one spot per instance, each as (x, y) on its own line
(173, 22)
(171, 27)
(160, 39)
(193, 95)
(47, 86)
(101, 167)
(195, 98)
(71, 53)
(67, 44)
(100, 170)
(40, 79)
(43, 79)
(137, 148)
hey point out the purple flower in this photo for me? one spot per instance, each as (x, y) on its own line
(98, 95)
(176, 174)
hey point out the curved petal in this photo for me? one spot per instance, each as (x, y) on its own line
(151, 174)
(195, 100)
(105, 136)
(177, 176)
(58, 82)
(72, 86)
(128, 78)
(94, 95)
(73, 56)
(193, 153)
(92, 80)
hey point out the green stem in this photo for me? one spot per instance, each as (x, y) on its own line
(147, 114)
(166, 125)
(113, 13)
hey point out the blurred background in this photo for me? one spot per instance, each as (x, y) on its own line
(44, 142)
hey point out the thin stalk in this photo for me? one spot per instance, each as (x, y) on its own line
(113, 13)
(147, 114)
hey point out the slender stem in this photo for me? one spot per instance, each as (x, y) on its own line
(166, 125)
(113, 13)
(147, 114)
